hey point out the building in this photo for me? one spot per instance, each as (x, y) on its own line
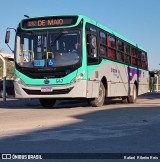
(9, 64)
(8, 56)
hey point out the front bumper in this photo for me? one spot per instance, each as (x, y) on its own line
(75, 90)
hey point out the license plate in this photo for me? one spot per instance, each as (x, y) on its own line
(46, 89)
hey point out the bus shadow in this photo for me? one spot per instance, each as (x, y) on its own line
(60, 104)
(13, 103)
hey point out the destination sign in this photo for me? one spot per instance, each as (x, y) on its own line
(49, 22)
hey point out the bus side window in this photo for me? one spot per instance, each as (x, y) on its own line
(120, 50)
(134, 57)
(139, 55)
(103, 45)
(111, 40)
(92, 48)
(144, 61)
(127, 54)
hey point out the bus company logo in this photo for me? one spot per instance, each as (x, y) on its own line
(20, 156)
(59, 80)
(6, 156)
(115, 72)
(46, 81)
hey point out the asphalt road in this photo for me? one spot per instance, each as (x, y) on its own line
(75, 127)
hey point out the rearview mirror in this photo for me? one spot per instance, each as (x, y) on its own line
(7, 38)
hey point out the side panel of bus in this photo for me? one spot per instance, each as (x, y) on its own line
(120, 78)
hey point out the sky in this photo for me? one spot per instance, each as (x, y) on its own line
(138, 20)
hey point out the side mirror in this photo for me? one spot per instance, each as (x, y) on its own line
(7, 38)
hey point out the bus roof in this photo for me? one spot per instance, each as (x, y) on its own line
(93, 22)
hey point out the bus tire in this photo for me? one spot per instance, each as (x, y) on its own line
(47, 102)
(133, 98)
(98, 102)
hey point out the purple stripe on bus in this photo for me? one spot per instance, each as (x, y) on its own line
(132, 72)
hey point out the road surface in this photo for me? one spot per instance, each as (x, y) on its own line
(75, 127)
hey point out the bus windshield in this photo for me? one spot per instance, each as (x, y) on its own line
(48, 48)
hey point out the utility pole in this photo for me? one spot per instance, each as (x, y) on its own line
(4, 77)
(157, 83)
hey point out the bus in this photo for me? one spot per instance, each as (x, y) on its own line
(73, 57)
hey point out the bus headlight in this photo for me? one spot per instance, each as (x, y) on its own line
(18, 80)
(79, 77)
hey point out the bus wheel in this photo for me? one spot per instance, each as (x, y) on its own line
(98, 102)
(133, 98)
(47, 102)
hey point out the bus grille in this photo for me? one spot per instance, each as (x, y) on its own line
(54, 92)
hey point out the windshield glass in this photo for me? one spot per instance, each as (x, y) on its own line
(48, 48)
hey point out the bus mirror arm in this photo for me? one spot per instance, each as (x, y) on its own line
(10, 48)
(7, 37)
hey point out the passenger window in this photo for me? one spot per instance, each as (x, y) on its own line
(92, 45)
(92, 49)
(112, 54)
(111, 41)
(103, 45)
(139, 63)
(127, 54)
(128, 59)
(139, 54)
(103, 38)
(134, 52)
(134, 61)
(120, 56)
(103, 51)
(144, 61)
(144, 58)
(127, 49)
(120, 45)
